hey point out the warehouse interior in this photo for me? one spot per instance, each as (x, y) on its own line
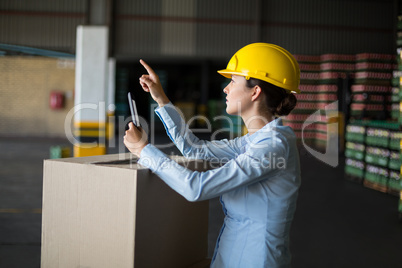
(347, 120)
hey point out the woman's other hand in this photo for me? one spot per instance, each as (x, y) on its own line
(135, 139)
(150, 83)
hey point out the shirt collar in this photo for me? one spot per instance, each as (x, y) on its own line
(265, 129)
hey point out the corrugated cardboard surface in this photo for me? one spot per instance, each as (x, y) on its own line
(108, 211)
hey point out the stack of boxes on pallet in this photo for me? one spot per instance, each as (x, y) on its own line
(307, 100)
(355, 150)
(371, 90)
(372, 147)
(319, 85)
(373, 155)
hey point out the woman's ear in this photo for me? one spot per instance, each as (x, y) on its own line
(256, 93)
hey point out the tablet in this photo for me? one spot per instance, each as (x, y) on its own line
(133, 109)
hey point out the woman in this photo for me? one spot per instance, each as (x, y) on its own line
(259, 182)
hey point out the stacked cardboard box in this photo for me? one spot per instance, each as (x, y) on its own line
(319, 85)
(396, 95)
(299, 119)
(109, 211)
(395, 164)
(309, 67)
(355, 151)
(336, 68)
(377, 158)
(374, 98)
(371, 90)
(373, 155)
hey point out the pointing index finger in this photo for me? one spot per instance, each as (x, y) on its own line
(147, 67)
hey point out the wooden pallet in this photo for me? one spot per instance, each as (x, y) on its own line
(375, 186)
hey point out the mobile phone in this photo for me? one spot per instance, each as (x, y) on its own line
(133, 110)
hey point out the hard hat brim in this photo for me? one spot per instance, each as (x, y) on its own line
(228, 74)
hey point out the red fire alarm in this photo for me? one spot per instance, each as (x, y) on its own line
(57, 100)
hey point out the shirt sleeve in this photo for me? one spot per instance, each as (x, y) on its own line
(243, 170)
(189, 144)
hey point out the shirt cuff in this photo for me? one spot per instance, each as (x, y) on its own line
(168, 114)
(152, 158)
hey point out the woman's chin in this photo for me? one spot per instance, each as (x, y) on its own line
(229, 112)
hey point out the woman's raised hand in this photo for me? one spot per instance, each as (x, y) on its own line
(150, 83)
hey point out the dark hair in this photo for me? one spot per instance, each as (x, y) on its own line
(278, 100)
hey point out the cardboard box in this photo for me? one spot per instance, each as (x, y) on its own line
(109, 211)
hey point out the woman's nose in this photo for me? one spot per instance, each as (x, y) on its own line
(225, 90)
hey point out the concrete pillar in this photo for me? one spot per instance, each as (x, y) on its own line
(110, 102)
(90, 90)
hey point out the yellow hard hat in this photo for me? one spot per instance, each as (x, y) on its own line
(267, 62)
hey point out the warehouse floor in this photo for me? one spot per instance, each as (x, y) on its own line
(338, 223)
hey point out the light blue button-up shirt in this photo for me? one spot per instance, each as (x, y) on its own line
(257, 184)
